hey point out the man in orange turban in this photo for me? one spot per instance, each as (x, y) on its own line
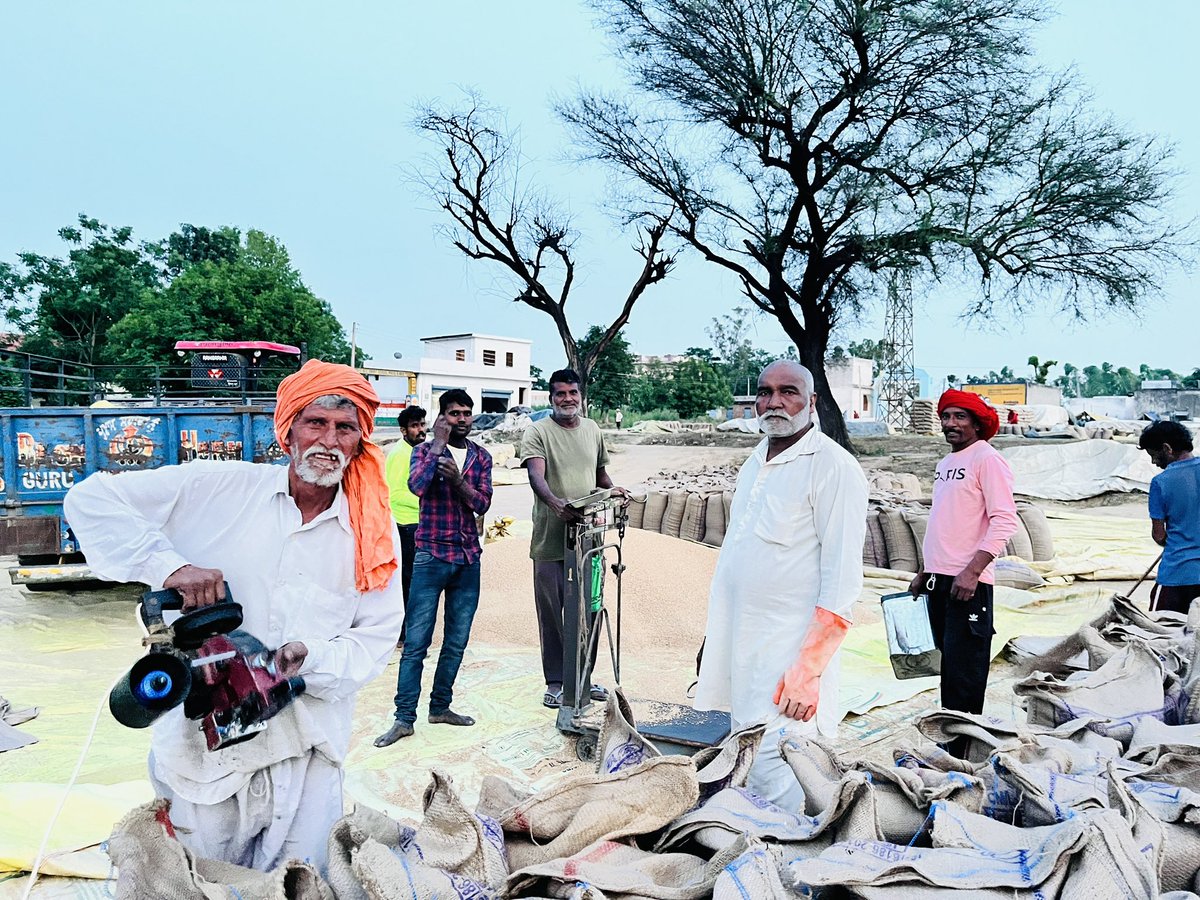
(308, 551)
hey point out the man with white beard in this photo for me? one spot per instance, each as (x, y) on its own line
(309, 551)
(787, 577)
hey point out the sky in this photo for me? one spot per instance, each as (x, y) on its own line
(296, 118)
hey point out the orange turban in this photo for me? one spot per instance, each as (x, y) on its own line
(363, 483)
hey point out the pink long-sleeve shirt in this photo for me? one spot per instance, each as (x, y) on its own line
(973, 509)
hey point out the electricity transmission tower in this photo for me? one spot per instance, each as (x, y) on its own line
(899, 379)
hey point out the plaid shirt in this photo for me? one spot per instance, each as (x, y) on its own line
(447, 526)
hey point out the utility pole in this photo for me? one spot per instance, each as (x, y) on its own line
(353, 343)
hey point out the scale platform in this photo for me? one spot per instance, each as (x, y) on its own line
(674, 729)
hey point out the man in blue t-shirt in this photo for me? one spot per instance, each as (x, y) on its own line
(1175, 514)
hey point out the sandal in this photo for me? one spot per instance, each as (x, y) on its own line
(599, 693)
(552, 699)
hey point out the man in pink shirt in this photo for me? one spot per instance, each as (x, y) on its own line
(972, 519)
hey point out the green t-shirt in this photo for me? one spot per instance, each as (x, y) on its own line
(572, 457)
(405, 505)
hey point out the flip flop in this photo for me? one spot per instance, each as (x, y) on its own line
(552, 699)
(599, 693)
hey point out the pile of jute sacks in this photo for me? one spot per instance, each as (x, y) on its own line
(695, 507)
(1093, 795)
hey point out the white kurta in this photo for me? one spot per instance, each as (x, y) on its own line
(295, 582)
(794, 542)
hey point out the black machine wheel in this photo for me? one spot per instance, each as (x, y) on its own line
(585, 747)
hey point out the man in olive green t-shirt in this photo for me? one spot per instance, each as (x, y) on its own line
(566, 459)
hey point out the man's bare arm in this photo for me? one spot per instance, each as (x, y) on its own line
(537, 480)
(1158, 531)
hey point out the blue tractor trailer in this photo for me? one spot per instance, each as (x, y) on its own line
(46, 450)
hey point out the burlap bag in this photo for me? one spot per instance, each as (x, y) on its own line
(374, 857)
(904, 797)
(1041, 540)
(918, 523)
(583, 809)
(152, 865)
(985, 734)
(874, 547)
(1093, 855)
(719, 823)
(619, 745)
(726, 505)
(1152, 738)
(622, 871)
(714, 520)
(1129, 685)
(753, 875)
(672, 519)
(691, 528)
(901, 546)
(636, 510)
(728, 764)
(1019, 544)
(656, 505)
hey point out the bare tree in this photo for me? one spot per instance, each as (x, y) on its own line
(495, 217)
(812, 147)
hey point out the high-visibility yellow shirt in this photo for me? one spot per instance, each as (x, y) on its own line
(405, 504)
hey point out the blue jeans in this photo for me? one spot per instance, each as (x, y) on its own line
(431, 577)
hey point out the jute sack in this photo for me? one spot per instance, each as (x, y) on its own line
(901, 546)
(451, 850)
(153, 865)
(1093, 855)
(619, 745)
(636, 510)
(1041, 539)
(656, 505)
(691, 527)
(1015, 574)
(733, 812)
(624, 871)
(918, 523)
(986, 733)
(874, 548)
(1152, 738)
(1127, 686)
(714, 520)
(727, 504)
(1019, 544)
(904, 797)
(583, 809)
(754, 874)
(728, 764)
(672, 518)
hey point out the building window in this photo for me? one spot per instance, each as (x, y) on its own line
(460, 355)
(489, 357)
(508, 360)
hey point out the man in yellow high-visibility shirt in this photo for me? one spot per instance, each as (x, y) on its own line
(405, 505)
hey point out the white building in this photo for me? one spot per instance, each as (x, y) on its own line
(853, 386)
(493, 370)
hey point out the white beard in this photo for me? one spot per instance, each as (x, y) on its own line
(779, 424)
(310, 474)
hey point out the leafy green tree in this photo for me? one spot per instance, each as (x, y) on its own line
(256, 295)
(697, 388)
(813, 148)
(538, 379)
(611, 372)
(1041, 370)
(65, 307)
(879, 352)
(653, 389)
(740, 361)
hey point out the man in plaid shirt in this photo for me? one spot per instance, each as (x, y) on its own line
(453, 478)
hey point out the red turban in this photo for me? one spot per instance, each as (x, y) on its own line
(989, 419)
(364, 485)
